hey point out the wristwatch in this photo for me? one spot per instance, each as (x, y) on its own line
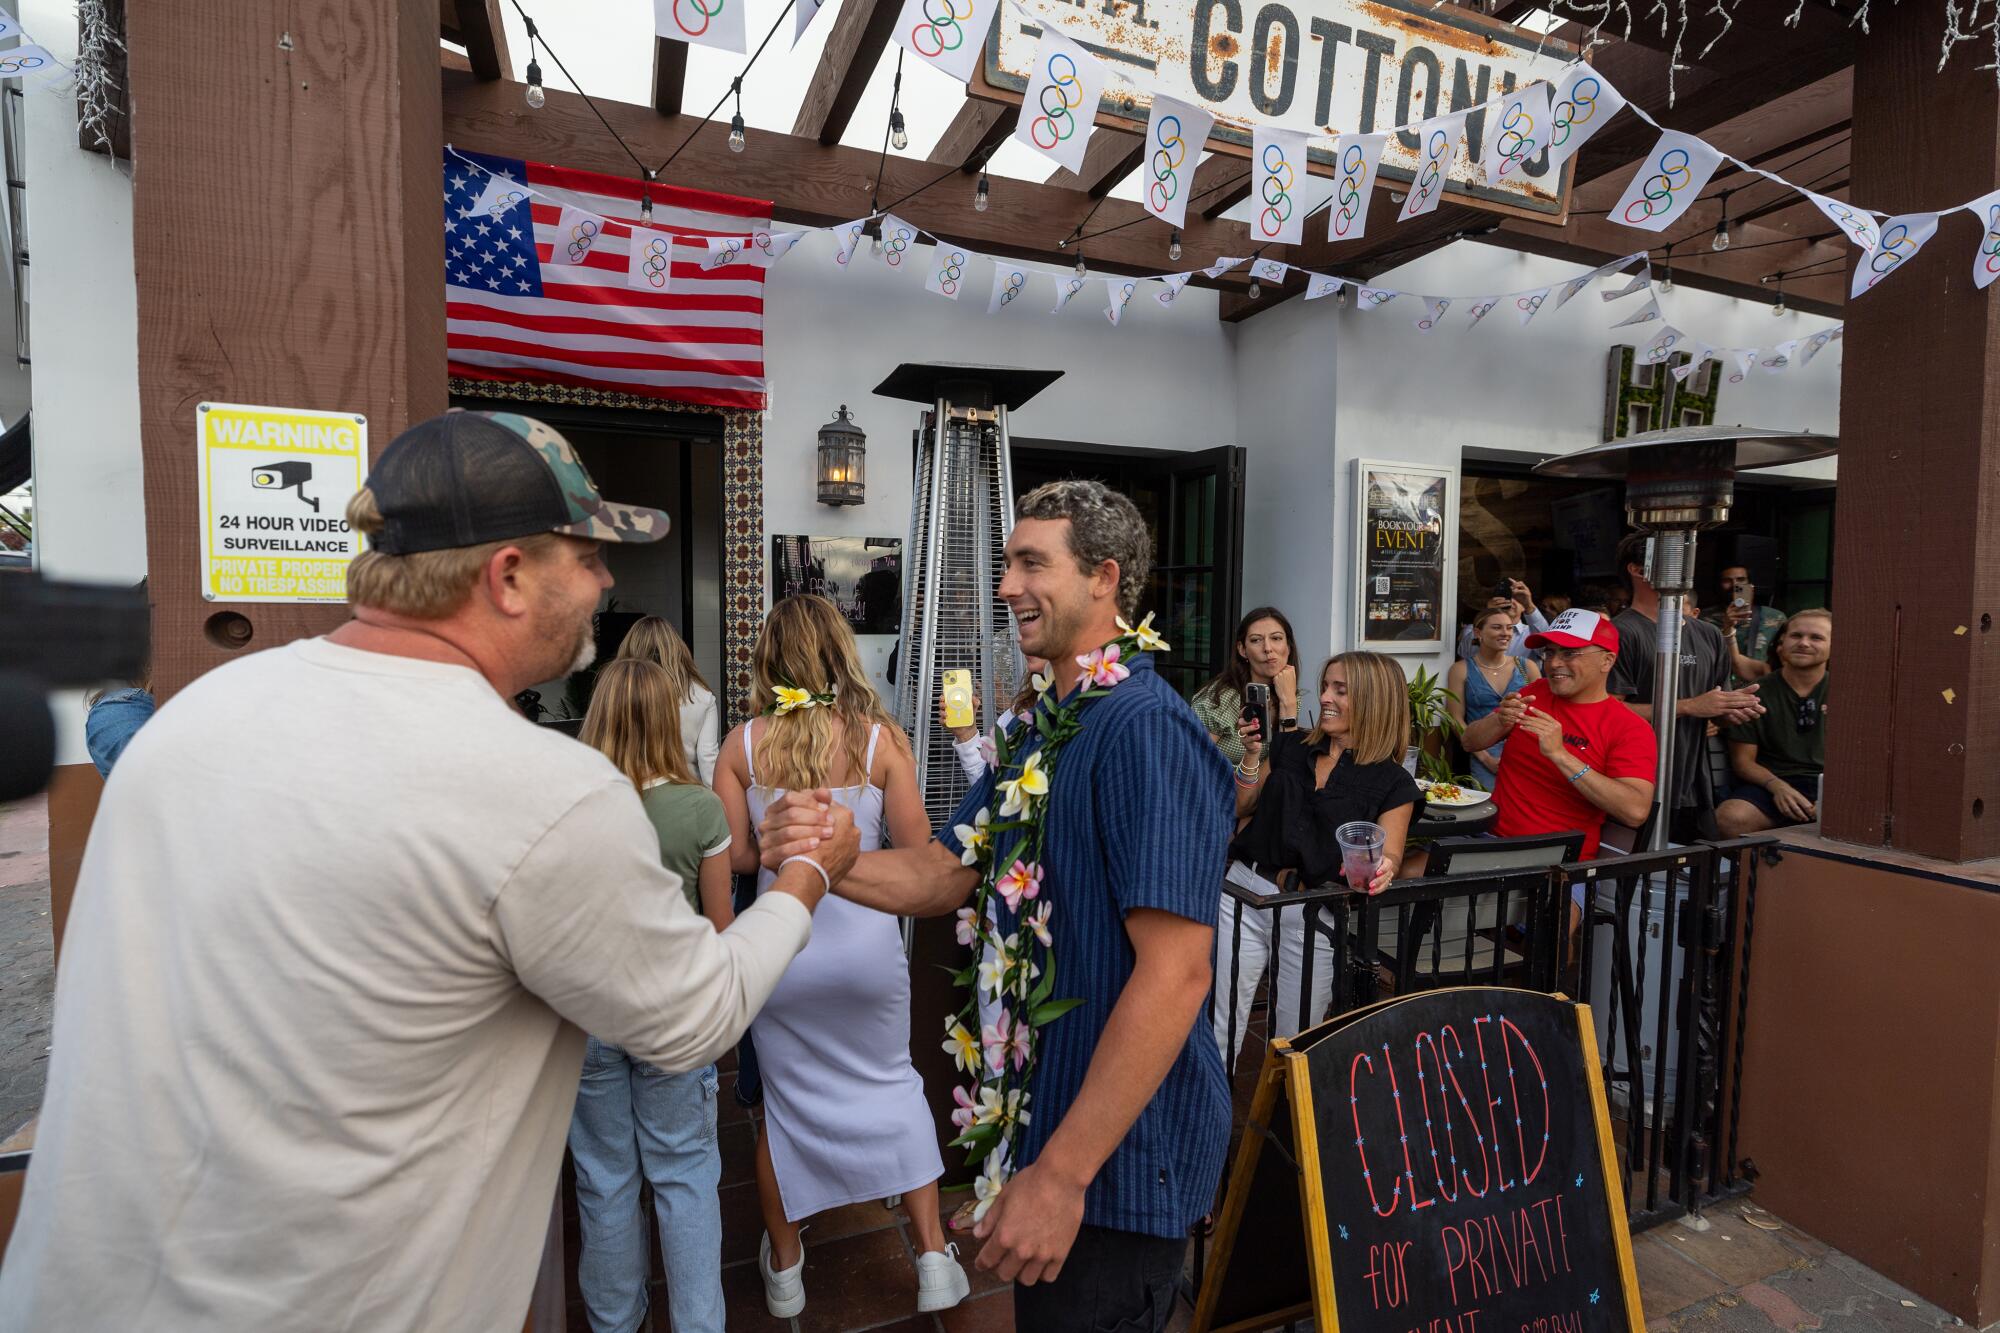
(1288, 724)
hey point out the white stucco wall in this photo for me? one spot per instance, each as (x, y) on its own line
(90, 512)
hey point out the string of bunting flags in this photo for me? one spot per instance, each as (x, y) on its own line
(24, 58)
(947, 273)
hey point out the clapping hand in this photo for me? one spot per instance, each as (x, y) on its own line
(1727, 707)
(1511, 710)
(1548, 732)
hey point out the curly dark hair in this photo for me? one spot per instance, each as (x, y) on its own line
(1103, 525)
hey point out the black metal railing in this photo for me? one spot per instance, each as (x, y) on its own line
(1658, 943)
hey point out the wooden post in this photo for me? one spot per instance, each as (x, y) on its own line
(288, 236)
(1913, 742)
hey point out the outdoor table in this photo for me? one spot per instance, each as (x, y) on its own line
(1445, 821)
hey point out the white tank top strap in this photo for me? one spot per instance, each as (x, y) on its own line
(874, 734)
(749, 753)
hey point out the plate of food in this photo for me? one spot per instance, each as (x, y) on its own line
(1451, 793)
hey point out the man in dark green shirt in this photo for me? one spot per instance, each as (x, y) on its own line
(1778, 758)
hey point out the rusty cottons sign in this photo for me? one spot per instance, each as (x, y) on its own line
(1325, 67)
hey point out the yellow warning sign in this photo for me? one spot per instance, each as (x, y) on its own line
(275, 482)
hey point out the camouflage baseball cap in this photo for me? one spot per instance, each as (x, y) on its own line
(467, 478)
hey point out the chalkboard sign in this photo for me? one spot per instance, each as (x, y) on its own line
(1406, 526)
(1454, 1170)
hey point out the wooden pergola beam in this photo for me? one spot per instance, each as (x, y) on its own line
(1220, 183)
(1110, 157)
(820, 184)
(975, 131)
(860, 34)
(670, 63)
(484, 37)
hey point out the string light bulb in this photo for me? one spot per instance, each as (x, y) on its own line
(899, 138)
(1340, 296)
(1778, 306)
(1174, 246)
(982, 193)
(1081, 271)
(1256, 289)
(736, 139)
(1667, 278)
(536, 97)
(1721, 241)
(646, 201)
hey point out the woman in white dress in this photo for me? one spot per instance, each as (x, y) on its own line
(655, 640)
(844, 1112)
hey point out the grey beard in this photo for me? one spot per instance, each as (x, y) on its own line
(586, 652)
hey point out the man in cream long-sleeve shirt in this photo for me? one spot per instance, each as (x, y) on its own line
(342, 924)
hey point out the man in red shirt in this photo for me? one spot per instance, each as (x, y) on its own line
(1573, 753)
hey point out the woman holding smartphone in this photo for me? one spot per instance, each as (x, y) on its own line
(1347, 768)
(1265, 654)
(1478, 683)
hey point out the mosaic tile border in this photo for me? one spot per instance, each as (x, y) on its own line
(742, 513)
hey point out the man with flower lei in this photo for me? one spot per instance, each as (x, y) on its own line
(1097, 1114)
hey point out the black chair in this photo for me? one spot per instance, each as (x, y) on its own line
(1457, 921)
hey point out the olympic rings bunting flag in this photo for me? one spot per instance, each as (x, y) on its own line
(1575, 285)
(1434, 308)
(649, 263)
(1814, 345)
(1118, 295)
(577, 234)
(1437, 141)
(897, 238)
(944, 34)
(1668, 182)
(1222, 265)
(1744, 357)
(948, 265)
(1642, 280)
(1373, 298)
(1702, 352)
(501, 194)
(1009, 281)
(1278, 168)
(1858, 224)
(1067, 286)
(1355, 159)
(1902, 237)
(1482, 308)
(1645, 314)
(1583, 103)
(1517, 135)
(1986, 263)
(759, 247)
(27, 59)
(1318, 285)
(1528, 304)
(716, 23)
(1269, 270)
(1175, 133)
(1656, 352)
(845, 237)
(1059, 108)
(1175, 284)
(1783, 356)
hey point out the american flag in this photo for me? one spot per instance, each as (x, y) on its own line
(513, 316)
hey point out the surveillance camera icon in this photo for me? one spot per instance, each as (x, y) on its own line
(290, 474)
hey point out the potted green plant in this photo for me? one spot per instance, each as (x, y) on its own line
(1431, 724)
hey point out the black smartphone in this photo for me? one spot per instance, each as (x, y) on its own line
(1257, 708)
(1504, 589)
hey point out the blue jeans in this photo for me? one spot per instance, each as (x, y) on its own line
(630, 1118)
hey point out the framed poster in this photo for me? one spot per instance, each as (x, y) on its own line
(1406, 538)
(863, 576)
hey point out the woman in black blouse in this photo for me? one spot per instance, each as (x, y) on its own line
(1348, 767)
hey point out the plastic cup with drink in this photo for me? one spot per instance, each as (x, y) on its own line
(1361, 844)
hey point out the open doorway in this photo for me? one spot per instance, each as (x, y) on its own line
(673, 462)
(1193, 502)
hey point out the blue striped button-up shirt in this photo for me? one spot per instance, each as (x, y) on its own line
(1139, 816)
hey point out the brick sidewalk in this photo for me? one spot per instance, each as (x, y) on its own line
(27, 960)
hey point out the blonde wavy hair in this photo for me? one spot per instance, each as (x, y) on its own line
(635, 719)
(654, 640)
(1378, 707)
(425, 585)
(806, 644)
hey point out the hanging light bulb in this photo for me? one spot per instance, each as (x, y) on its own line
(1174, 246)
(736, 133)
(1081, 271)
(1340, 296)
(982, 193)
(1667, 279)
(1256, 289)
(536, 97)
(646, 201)
(899, 138)
(1778, 306)
(1721, 241)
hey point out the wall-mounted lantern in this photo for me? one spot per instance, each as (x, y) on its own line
(843, 448)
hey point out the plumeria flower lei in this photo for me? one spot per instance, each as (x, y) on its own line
(790, 699)
(1018, 967)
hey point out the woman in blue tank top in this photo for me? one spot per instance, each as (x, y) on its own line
(1478, 683)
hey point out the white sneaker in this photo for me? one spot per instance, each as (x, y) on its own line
(941, 1282)
(785, 1293)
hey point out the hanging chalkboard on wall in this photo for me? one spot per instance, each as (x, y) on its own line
(1454, 1173)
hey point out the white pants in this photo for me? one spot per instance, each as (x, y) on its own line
(1239, 966)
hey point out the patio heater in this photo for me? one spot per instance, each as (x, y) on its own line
(1677, 484)
(961, 511)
